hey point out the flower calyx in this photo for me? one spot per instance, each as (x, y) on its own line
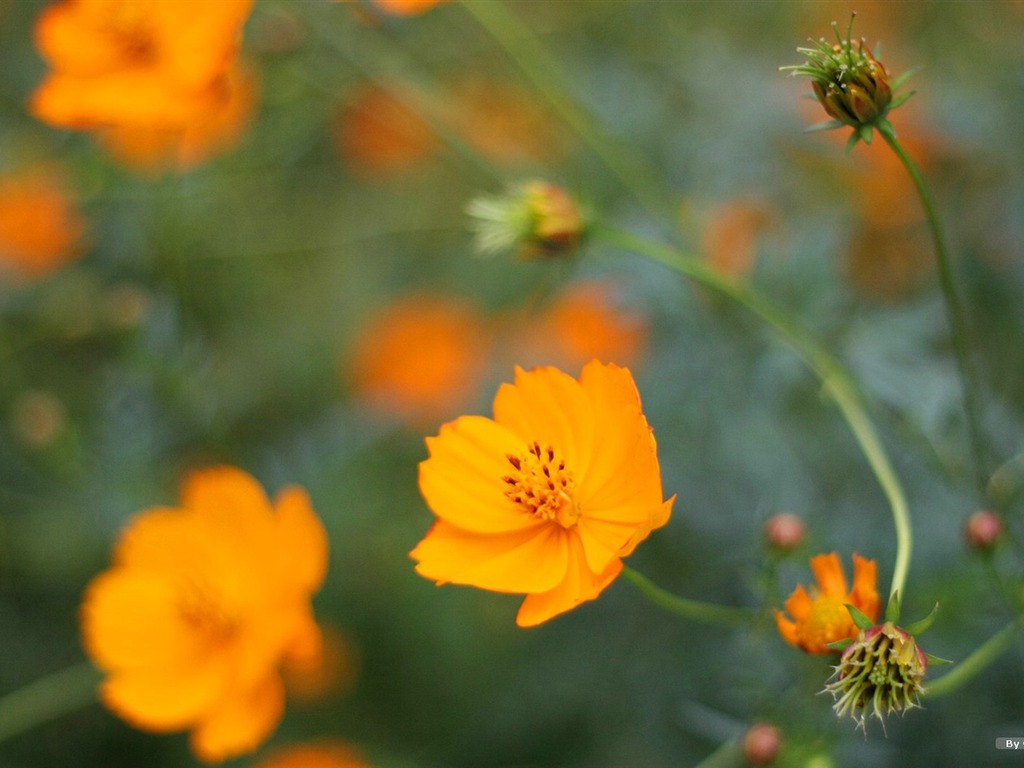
(538, 219)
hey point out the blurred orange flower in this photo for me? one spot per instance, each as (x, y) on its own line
(40, 229)
(407, 7)
(313, 679)
(378, 133)
(218, 127)
(820, 617)
(143, 63)
(325, 754)
(504, 123)
(421, 359)
(729, 236)
(583, 322)
(546, 498)
(201, 605)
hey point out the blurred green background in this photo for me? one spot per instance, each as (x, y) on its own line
(212, 315)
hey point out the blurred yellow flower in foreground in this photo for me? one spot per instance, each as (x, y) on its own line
(40, 228)
(202, 604)
(325, 754)
(821, 617)
(421, 359)
(143, 63)
(546, 498)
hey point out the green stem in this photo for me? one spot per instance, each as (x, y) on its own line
(965, 670)
(545, 75)
(833, 377)
(47, 699)
(726, 755)
(695, 610)
(954, 309)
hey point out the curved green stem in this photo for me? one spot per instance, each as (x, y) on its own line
(964, 671)
(544, 74)
(695, 610)
(47, 699)
(833, 377)
(954, 309)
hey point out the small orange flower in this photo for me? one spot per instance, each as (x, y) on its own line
(421, 359)
(149, 63)
(821, 617)
(730, 234)
(549, 496)
(583, 322)
(40, 229)
(202, 604)
(214, 129)
(326, 754)
(407, 7)
(378, 133)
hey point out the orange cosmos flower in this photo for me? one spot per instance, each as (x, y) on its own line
(584, 322)
(152, 149)
(40, 229)
(820, 618)
(421, 359)
(326, 754)
(546, 498)
(378, 133)
(202, 604)
(151, 63)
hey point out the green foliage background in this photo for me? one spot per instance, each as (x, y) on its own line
(258, 270)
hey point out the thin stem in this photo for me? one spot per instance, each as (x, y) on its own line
(47, 699)
(545, 75)
(954, 309)
(833, 377)
(726, 755)
(695, 610)
(964, 671)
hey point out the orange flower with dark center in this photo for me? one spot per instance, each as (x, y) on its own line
(202, 605)
(421, 359)
(40, 228)
(546, 498)
(146, 63)
(820, 617)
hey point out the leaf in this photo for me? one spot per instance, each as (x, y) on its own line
(892, 610)
(862, 621)
(899, 81)
(937, 661)
(918, 627)
(840, 645)
(827, 125)
(852, 141)
(900, 99)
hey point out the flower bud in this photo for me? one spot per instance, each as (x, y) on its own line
(881, 669)
(983, 529)
(541, 219)
(784, 531)
(761, 744)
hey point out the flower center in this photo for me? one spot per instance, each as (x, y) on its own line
(829, 622)
(542, 486)
(204, 611)
(134, 32)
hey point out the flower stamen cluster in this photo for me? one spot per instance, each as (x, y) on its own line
(882, 669)
(542, 486)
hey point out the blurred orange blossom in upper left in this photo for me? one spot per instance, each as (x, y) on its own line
(140, 63)
(546, 498)
(40, 228)
(201, 606)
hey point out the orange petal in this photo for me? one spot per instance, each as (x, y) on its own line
(157, 539)
(828, 572)
(131, 619)
(241, 722)
(534, 560)
(787, 629)
(548, 406)
(865, 594)
(579, 585)
(462, 480)
(799, 604)
(166, 699)
(200, 43)
(301, 539)
(68, 41)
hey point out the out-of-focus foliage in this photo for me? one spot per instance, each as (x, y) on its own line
(224, 315)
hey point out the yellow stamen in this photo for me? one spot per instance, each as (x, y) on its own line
(542, 486)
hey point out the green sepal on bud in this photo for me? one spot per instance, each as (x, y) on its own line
(851, 84)
(536, 219)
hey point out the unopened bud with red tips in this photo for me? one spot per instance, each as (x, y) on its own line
(983, 529)
(761, 744)
(538, 219)
(852, 85)
(784, 531)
